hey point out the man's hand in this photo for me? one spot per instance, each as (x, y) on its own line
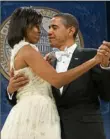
(50, 57)
(16, 82)
(105, 49)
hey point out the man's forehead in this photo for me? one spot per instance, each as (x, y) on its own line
(55, 20)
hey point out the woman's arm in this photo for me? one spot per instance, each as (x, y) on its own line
(35, 60)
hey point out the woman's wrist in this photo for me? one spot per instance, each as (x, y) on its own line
(96, 60)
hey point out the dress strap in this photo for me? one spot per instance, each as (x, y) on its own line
(16, 49)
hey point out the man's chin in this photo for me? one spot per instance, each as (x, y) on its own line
(52, 45)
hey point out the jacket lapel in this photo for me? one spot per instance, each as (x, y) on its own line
(57, 90)
(54, 63)
(75, 61)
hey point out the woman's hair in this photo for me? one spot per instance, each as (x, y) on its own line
(21, 19)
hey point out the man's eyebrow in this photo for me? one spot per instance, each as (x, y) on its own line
(52, 26)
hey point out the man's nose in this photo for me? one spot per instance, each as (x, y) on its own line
(50, 31)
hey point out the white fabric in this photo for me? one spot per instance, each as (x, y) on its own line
(59, 55)
(35, 115)
(105, 68)
(10, 95)
(64, 58)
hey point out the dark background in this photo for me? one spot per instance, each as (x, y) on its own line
(108, 19)
(94, 19)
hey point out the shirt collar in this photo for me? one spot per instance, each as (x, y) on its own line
(71, 49)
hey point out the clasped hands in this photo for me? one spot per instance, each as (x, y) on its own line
(104, 51)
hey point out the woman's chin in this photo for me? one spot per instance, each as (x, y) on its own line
(34, 41)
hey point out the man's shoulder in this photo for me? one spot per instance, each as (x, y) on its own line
(86, 53)
(87, 50)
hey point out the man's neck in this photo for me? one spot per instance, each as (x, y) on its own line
(68, 44)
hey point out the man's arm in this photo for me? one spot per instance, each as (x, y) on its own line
(101, 79)
(101, 74)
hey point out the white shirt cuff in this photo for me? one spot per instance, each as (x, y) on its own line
(106, 68)
(10, 95)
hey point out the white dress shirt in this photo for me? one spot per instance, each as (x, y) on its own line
(63, 63)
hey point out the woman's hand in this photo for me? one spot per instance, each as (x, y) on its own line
(103, 55)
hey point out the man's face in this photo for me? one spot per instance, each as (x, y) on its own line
(58, 33)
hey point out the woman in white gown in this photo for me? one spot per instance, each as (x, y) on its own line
(35, 115)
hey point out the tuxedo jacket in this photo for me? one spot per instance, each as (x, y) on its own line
(79, 106)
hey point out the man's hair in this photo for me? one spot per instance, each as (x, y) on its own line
(21, 19)
(69, 20)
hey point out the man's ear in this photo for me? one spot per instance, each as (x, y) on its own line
(71, 30)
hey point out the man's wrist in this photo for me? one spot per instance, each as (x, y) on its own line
(105, 66)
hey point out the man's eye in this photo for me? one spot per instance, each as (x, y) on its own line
(54, 28)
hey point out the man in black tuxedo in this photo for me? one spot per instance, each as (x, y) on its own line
(78, 102)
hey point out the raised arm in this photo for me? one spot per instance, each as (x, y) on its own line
(34, 60)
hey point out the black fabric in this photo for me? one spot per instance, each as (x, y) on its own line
(79, 106)
(13, 101)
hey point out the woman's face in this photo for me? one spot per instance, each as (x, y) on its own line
(33, 34)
